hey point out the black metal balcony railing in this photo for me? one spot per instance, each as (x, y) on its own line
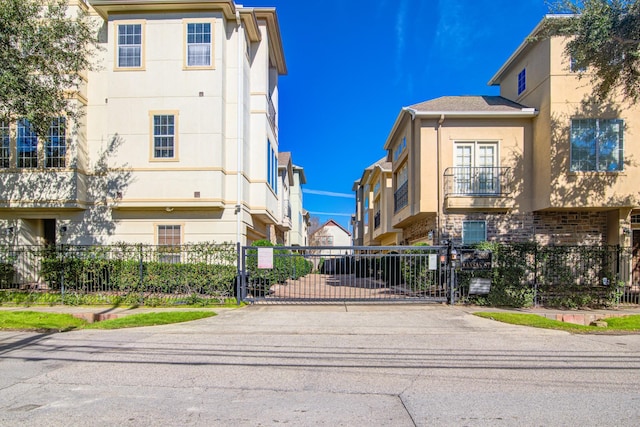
(376, 220)
(481, 181)
(271, 113)
(401, 197)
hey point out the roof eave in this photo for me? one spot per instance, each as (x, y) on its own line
(276, 50)
(525, 112)
(396, 125)
(106, 7)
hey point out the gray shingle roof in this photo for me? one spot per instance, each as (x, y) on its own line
(469, 104)
(284, 158)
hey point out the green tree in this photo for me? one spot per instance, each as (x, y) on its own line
(43, 49)
(604, 44)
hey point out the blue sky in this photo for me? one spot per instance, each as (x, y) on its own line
(353, 64)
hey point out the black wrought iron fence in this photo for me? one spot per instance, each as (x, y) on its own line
(171, 271)
(520, 274)
(568, 276)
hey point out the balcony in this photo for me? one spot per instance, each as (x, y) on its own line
(401, 197)
(376, 220)
(271, 114)
(478, 188)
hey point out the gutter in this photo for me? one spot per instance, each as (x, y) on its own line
(240, 131)
(438, 176)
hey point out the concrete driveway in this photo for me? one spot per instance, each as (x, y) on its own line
(401, 365)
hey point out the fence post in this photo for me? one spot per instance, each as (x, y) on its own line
(62, 270)
(239, 273)
(618, 275)
(535, 275)
(452, 272)
(141, 272)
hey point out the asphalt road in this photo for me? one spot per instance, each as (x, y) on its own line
(400, 365)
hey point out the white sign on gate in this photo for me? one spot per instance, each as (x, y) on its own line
(265, 258)
(433, 261)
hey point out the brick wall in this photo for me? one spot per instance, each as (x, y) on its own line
(569, 228)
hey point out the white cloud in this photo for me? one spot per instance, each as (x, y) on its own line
(400, 34)
(330, 213)
(328, 193)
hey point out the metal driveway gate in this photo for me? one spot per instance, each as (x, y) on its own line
(337, 274)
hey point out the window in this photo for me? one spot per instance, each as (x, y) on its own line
(365, 207)
(169, 240)
(522, 81)
(55, 148)
(5, 152)
(325, 240)
(400, 149)
(272, 167)
(199, 44)
(476, 168)
(164, 136)
(474, 232)
(596, 145)
(26, 145)
(575, 68)
(129, 46)
(401, 195)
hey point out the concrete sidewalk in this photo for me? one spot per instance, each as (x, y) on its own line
(100, 313)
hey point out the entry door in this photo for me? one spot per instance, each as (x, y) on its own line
(49, 229)
(476, 168)
(636, 257)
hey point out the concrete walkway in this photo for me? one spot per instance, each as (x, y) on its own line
(348, 365)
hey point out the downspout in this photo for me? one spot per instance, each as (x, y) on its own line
(240, 131)
(439, 175)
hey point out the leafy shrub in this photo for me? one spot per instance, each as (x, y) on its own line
(7, 272)
(208, 269)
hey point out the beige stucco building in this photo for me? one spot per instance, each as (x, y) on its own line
(292, 230)
(543, 161)
(374, 197)
(180, 138)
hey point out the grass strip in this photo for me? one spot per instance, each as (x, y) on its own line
(54, 322)
(150, 319)
(39, 321)
(614, 324)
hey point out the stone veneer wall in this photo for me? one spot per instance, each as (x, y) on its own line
(567, 228)
(419, 230)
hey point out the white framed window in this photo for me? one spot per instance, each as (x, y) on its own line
(474, 232)
(169, 238)
(164, 135)
(55, 146)
(129, 52)
(476, 168)
(597, 145)
(522, 81)
(26, 145)
(5, 147)
(199, 40)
